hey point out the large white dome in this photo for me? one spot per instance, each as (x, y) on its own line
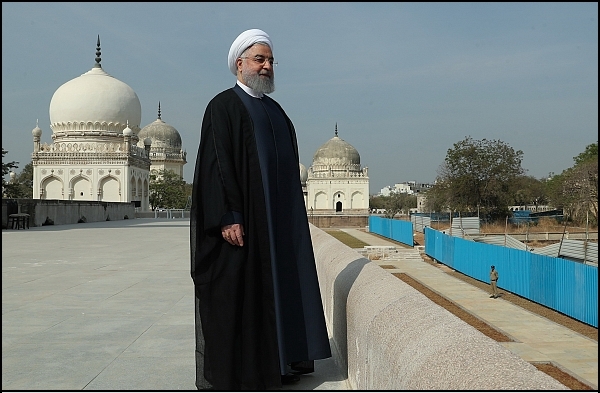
(95, 98)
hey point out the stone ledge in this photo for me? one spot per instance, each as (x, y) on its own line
(392, 337)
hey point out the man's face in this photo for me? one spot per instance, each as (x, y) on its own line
(256, 67)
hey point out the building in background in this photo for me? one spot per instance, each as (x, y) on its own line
(98, 152)
(336, 184)
(166, 151)
(410, 188)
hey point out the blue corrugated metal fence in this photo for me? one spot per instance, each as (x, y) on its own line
(400, 231)
(562, 285)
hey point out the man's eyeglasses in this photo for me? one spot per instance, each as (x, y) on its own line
(258, 59)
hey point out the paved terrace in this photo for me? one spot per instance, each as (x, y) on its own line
(109, 306)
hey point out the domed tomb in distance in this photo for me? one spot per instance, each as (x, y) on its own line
(336, 183)
(166, 152)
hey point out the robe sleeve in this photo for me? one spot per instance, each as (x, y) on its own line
(220, 197)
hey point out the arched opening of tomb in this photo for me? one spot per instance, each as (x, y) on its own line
(52, 188)
(321, 200)
(110, 190)
(82, 189)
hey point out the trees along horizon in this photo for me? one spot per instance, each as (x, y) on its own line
(575, 190)
(168, 190)
(486, 177)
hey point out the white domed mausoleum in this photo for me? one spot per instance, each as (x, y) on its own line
(166, 152)
(335, 182)
(96, 153)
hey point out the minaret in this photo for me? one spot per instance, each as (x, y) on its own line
(37, 135)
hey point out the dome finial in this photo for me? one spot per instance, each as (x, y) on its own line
(158, 110)
(336, 129)
(98, 59)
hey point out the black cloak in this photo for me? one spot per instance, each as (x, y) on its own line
(258, 307)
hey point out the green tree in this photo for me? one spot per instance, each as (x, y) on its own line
(167, 190)
(436, 198)
(529, 191)
(397, 203)
(589, 154)
(476, 176)
(377, 202)
(24, 182)
(9, 189)
(575, 190)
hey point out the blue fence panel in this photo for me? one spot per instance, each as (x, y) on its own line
(448, 249)
(376, 225)
(542, 282)
(398, 230)
(591, 295)
(516, 270)
(430, 242)
(565, 290)
(402, 231)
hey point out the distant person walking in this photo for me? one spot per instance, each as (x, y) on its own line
(494, 282)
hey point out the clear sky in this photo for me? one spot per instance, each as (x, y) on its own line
(403, 81)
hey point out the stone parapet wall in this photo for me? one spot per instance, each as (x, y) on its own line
(391, 337)
(60, 212)
(338, 221)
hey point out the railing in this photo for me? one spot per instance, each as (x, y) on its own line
(170, 213)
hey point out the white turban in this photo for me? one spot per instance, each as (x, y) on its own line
(243, 42)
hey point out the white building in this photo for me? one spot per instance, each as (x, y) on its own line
(410, 188)
(98, 152)
(165, 151)
(335, 182)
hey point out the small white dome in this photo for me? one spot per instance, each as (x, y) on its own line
(128, 131)
(37, 131)
(303, 174)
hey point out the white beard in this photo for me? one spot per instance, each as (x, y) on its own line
(259, 84)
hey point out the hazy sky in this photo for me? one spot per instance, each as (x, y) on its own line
(403, 81)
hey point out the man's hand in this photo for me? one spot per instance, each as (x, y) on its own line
(233, 234)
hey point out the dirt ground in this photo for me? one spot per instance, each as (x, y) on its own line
(546, 312)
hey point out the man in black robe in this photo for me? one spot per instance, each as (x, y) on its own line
(259, 316)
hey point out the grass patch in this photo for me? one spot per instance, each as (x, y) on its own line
(345, 238)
